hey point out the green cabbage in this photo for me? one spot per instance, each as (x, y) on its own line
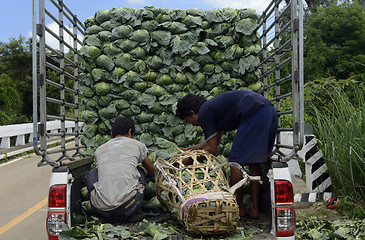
(90, 52)
(139, 63)
(156, 90)
(120, 104)
(86, 91)
(100, 74)
(145, 117)
(93, 40)
(117, 74)
(123, 31)
(125, 61)
(150, 76)
(105, 62)
(138, 53)
(163, 80)
(146, 138)
(89, 116)
(154, 62)
(110, 50)
(246, 26)
(125, 44)
(94, 29)
(149, 25)
(102, 16)
(163, 38)
(122, 14)
(107, 112)
(89, 130)
(102, 88)
(105, 36)
(140, 35)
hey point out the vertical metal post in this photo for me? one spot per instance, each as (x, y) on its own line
(264, 51)
(42, 128)
(62, 75)
(301, 74)
(34, 76)
(76, 86)
(295, 70)
(277, 63)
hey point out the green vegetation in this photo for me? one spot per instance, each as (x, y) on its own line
(11, 103)
(316, 228)
(337, 110)
(15, 81)
(334, 44)
(157, 230)
(152, 57)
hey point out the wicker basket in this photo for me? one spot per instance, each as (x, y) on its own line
(198, 194)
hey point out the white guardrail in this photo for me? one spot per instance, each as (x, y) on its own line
(20, 131)
(309, 153)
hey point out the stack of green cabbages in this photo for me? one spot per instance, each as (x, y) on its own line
(138, 63)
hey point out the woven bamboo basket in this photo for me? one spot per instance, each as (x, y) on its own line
(198, 193)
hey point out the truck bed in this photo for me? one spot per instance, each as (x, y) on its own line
(257, 229)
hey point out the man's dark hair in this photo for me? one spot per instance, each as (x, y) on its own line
(121, 126)
(187, 103)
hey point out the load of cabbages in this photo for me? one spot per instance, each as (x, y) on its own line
(137, 63)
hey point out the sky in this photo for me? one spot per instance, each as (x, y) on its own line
(16, 15)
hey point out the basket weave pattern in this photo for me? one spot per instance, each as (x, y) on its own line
(199, 195)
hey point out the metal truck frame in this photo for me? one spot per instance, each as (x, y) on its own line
(281, 38)
(276, 23)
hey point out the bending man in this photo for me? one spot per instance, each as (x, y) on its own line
(254, 118)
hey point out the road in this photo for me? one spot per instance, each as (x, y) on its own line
(23, 198)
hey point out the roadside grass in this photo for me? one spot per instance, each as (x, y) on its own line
(338, 109)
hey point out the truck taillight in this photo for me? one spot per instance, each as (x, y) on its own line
(55, 222)
(284, 210)
(57, 196)
(285, 221)
(56, 217)
(283, 191)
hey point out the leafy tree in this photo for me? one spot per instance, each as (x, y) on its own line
(314, 5)
(10, 102)
(16, 62)
(335, 42)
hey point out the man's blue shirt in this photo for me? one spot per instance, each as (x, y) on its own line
(228, 110)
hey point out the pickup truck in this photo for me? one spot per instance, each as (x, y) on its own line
(280, 36)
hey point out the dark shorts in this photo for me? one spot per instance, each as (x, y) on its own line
(122, 213)
(254, 139)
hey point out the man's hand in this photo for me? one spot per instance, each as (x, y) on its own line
(195, 147)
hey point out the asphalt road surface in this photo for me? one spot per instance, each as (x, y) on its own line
(23, 199)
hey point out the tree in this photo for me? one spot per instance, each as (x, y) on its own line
(335, 42)
(11, 103)
(315, 5)
(16, 63)
(16, 58)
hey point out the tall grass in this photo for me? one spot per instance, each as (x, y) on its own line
(339, 124)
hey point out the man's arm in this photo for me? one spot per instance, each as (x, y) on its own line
(212, 144)
(195, 147)
(148, 165)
